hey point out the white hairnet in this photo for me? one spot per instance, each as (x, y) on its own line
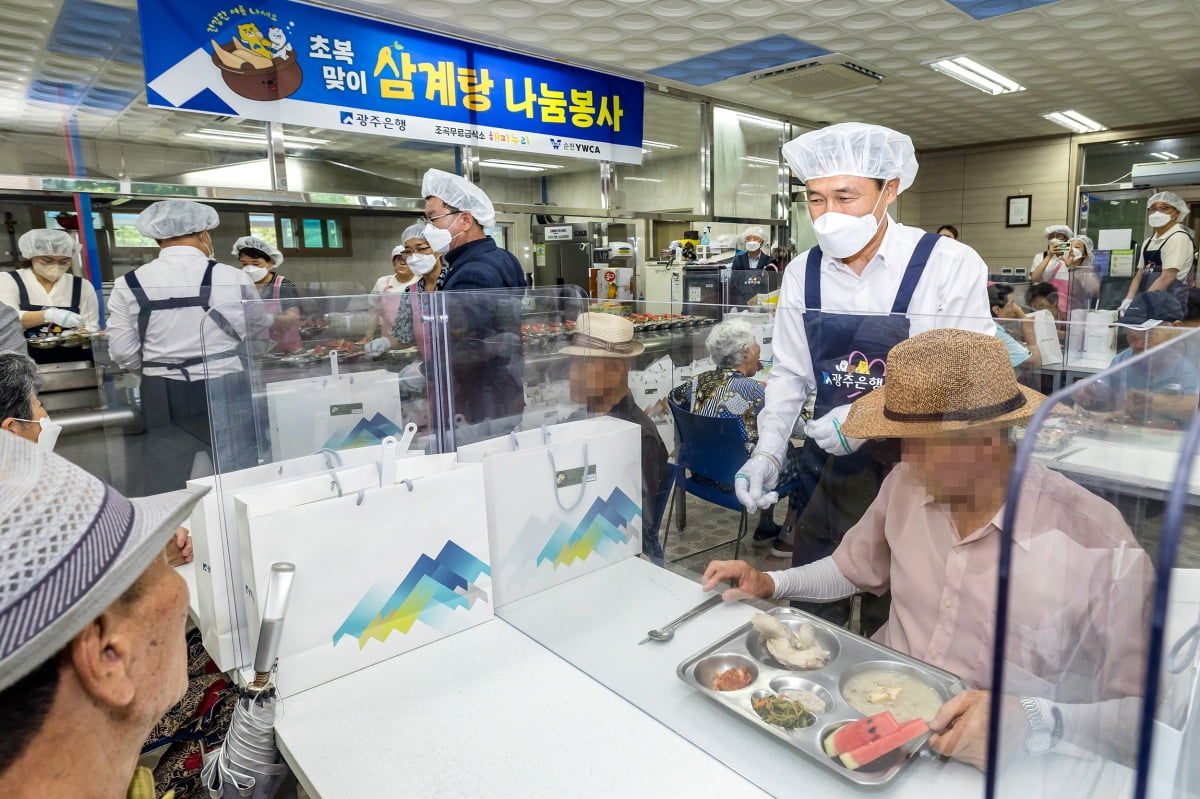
(460, 193)
(170, 219)
(262, 245)
(1170, 198)
(416, 231)
(398, 250)
(853, 148)
(754, 230)
(1063, 229)
(43, 241)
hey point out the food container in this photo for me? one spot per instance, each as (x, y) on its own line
(850, 655)
(347, 324)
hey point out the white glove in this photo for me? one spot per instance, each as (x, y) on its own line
(378, 346)
(62, 317)
(826, 432)
(754, 482)
(1124, 306)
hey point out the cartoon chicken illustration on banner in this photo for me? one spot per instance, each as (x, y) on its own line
(258, 67)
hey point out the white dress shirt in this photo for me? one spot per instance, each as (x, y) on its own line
(59, 295)
(952, 293)
(179, 334)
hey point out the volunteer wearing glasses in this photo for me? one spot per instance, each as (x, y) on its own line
(1167, 255)
(388, 290)
(486, 362)
(835, 340)
(21, 412)
(45, 294)
(419, 260)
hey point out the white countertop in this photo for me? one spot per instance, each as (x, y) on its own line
(1149, 465)
(487, 713)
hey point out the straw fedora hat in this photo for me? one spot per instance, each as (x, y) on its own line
(939, 382)
(603, 335)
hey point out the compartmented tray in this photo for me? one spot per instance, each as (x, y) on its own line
(850, 655)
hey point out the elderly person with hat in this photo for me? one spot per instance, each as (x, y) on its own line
(835, 337)
(1162, 388)
(281, 301)
(182, 320)
(91, 626)
(46, 295)
(600, 352)
(1168, 254)
(932, 537)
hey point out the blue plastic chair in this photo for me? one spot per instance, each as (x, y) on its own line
(713, 449)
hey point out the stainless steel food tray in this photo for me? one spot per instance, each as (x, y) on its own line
(849, 654)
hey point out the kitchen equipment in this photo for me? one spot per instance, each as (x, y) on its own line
(667, 631)
(849, 655)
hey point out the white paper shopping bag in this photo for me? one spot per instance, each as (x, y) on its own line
(1046, 332)
(377, 574)
(221, 613)
(561, 502)
(335, 412)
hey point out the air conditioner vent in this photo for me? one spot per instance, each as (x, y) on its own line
(819, 77)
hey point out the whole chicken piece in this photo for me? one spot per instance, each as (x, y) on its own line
(796, 650)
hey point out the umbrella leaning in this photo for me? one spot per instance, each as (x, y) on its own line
(248, 762)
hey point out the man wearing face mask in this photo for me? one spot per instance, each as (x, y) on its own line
(21, 412)
(743, 287)
(487, 366)
(181, 320)
(1168, 254)
(868, 284)
(259, 259)
(46, 295)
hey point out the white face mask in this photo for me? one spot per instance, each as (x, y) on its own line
(51, 272)
(753, 246)
(1159, 219)
(1076, 252)
(421, 264)
(49, 435)
(843, 235)
(255, 273)
(437, 238)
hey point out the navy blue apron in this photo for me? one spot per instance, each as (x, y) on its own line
(54, 354)
(849, 357)
(1153, 266)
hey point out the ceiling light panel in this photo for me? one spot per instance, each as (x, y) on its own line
(977, 75)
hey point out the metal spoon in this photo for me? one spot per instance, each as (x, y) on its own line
(667, 631)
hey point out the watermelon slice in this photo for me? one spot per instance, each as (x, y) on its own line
(859, 733)
(869, 753)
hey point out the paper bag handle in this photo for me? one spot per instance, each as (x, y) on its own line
(582, 482)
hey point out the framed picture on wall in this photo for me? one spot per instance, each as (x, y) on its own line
(1020, 207)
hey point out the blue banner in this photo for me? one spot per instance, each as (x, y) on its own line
(283, 61)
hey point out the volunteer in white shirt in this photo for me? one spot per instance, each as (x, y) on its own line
(182, 319)
(870, 283)
(45, 294)
(387, 293)
(1167, 255)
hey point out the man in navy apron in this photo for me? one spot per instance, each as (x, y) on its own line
(1168, 255)
(868, 284)
(183, 320)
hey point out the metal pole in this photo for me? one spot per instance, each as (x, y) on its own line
(470, 163)
(607, 185)
(276, 157)
(706, 161)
